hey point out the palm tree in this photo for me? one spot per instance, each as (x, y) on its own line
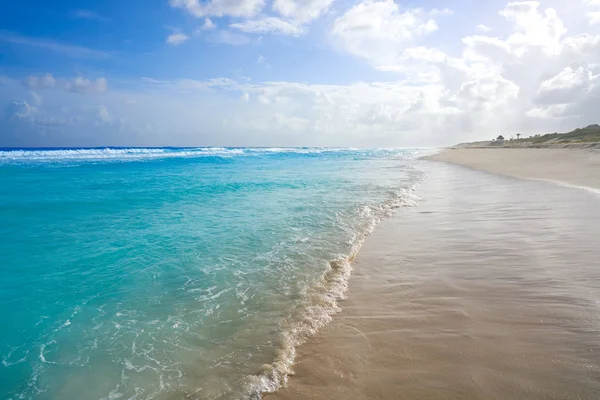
(518, 136)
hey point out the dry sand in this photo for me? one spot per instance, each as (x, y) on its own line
(571, 166)
(489, 289)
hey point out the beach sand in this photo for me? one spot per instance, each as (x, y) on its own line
(572, 166)
(488, 289)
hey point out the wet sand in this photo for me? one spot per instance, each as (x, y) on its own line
(572, 166)
(488, 289)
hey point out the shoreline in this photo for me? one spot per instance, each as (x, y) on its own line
(424, 318)
(327, 298)
(579, 168)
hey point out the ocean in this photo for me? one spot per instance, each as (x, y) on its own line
(171, 273)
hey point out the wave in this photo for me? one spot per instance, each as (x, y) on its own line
(322, 300)
(109, 153)
(135, 153)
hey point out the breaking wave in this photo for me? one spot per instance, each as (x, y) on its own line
(134, 153)
(321, 301)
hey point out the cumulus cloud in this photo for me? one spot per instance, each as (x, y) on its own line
(219, 8)
(301, 10)
(534, 28)
(289, 19)
(567, 86)
(379, 30)
(86, 86)
(483, 28)
(176, 39)
(268, 25)
(39, 82)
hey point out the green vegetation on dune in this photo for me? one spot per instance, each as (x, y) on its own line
(589, 134)
(588, 137)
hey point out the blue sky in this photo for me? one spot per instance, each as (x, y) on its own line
(294, 72)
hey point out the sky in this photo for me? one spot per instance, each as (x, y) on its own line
(351, 73)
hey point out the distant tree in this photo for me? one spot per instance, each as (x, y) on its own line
(518, 136)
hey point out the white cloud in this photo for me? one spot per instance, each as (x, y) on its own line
(87, 14)
(483, 28)
(245, 96)
(489, 93)
(379, 30)
(268, 25)
(86, 86)
(567, 86)
(533, 28)
(491, 48)
(583, 45)
(567, 79)
(301, 10)
(176, 39)
(219, 8)
(45, 81)
(209, 25)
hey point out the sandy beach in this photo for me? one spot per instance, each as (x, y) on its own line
(571, 166)
(488, 289)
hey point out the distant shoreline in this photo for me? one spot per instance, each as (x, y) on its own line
(580, 138)
(567, 165)
(522, 144)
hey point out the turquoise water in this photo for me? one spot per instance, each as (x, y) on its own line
(178, 273)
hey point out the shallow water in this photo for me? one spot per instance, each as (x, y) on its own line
(178, 273)
(488, 289)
